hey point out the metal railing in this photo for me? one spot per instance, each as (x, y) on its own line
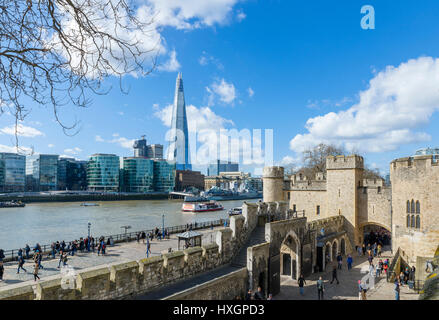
(12, 254)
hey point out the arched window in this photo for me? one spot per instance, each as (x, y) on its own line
(408, 221)
(418, 222)
(418, 207)
(408, 206)
(412, 224)
(412, 209)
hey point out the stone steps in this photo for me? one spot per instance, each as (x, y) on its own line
(257, 237)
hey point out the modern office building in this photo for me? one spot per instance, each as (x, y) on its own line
(219, 166)
(103, 172)
(76, 175)
(138, 174)
(12, 172)
(154, 151)
(164, 175)
(178, 150)
(45, 172)
(62, 172)
(140, 147)
(187, 178)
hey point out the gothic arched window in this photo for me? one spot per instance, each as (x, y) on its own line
(418, 207)
(408, 221)
(408, 206)
(412, 209)
(418, 222)
(412, 224)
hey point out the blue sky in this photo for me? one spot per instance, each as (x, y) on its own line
(305, 69)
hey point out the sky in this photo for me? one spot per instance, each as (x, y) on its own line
(306, 70)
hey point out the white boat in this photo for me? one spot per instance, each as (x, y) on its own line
(202, 206)
(86, 204)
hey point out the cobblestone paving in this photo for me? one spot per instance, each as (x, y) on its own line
(120, 252)
(347, 289)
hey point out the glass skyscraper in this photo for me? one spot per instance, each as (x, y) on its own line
(12, 172)
(138, 174)
(45, 172)
(103, 172)
(178, 150)
(164, 175)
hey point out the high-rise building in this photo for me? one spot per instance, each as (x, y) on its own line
(178, 150)
(76, 178)
(154, 151)
(164, 175)
(45, 172)
(138, 174)
(140, 147)
(103, 172)
(215, 169)
(12, 172)
(62, 172)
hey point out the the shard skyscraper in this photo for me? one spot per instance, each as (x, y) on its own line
(178, 150)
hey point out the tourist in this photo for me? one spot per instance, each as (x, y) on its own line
(61, 258)
(320, 288)
(397, 287)
(339, 260)
(363, 248)
(301, 282)
(401, 278)
(36, 268)
(20, 264)
(63, 246)
(143, 237)
(270, 297)
(349, 261)
(259, 295)
(2, 270)
(370, 259)
(379, 250)
(360, 290)
(385, 267)
(111, 241)
(359, 251)
(27, 250)
(2, 255)
(248, 295)
(52, 246)
(378, 270)
(138, 237)
(375, 249)
(412, 274)
(334, 275)
(363, 290)
(148, 249)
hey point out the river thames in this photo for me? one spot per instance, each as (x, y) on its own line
(48, 222)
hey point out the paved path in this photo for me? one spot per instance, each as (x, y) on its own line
(348, 287)
(121, 252)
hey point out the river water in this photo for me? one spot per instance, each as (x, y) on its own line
(48, 222)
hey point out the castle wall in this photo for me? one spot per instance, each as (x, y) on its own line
(273, 184)
(416, 179)
(308, 201)
(375, 206)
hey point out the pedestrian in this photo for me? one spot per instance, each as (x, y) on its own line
(61, 258)
(301, 282)
(259, 294)
(363, 248)
(138, 237)
(20, 264)
(379, 250)
(349, 261)
(143, 237)
(2, 254)
(397, 287)
(360, 290)
(27, 250)
(320, 288)
(248, 295)
(36, 268)
(270, 297)
(148, 249)
(370, 259)
(359, 251)
(2, 270)
(334, 275)
(378, 271)
(20, 253)
(52, 246)
(40, 258)
(339, 260)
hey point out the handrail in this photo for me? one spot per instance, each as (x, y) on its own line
(12, 254)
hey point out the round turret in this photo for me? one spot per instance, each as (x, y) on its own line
(273, 183)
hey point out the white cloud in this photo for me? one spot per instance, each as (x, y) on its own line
(13, 149)
(22, 131)
(121, 113)
(241, 16)
(398, 101)
(99, 139)
(123, 142)
(50, 145)
(224, 90)
(250, 92)
(74, 151)
(206, 59)
(172, 64)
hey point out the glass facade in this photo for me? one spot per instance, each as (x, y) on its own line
(45, 172)
(103, 172)
(12, 172)
(164, 175)
(138, 175)
(214, 169)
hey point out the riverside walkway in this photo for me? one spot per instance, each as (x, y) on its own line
(120, 252)
(348, 287)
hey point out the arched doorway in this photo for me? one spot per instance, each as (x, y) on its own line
(290, 262)
(327, 255)
(374, 232)
(343, 247)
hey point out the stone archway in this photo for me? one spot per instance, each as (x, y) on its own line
(290, 256)
(366, 227)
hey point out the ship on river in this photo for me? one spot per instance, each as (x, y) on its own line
(11, 204)
(218, 194)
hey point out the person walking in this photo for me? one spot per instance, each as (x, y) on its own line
(339, 261)
(61, 258)
(360, 290)
(27, 250)
(301, 281)
(349, 261)
(259, 294)
(20, 264)
(36, 269)
(148, 248)
(378, 270)
(2, 270)
(359, 251)
(334, 275)
(320, 288)
(2, 254)
(363, 248)
(397, 287)
(370, 259)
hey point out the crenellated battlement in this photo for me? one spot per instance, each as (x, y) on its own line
(344, 162)
(373, 183)
(273, 172)
(415, 162)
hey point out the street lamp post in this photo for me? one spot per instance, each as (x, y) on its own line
(163, 226)
(126, 228)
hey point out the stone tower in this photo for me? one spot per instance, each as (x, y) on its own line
(273, 184)
(344, 175)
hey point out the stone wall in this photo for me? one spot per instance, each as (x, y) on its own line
(415, 179)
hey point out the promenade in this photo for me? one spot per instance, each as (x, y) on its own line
(348, 287)
(120, 252)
